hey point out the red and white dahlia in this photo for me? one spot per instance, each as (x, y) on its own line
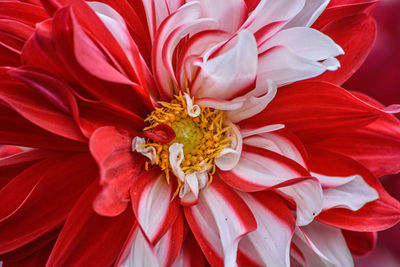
(177, 133)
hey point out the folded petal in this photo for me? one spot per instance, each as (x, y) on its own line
(229, 74)
(219, 221)
(119, 167)
(310, 12)
(308, 196)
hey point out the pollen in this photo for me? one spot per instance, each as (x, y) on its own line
(203, 136)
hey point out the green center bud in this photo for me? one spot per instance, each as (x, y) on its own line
(187, 133)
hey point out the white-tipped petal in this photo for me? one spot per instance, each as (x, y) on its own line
(147, 151)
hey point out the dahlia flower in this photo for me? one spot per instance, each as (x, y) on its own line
(180, 133)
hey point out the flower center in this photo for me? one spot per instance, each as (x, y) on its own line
(199, 136)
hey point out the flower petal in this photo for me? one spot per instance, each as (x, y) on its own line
(321, 111)
(308, 197)
(373, 216)
(39, 199)
(152, 204)
(119, 166)
(229, 14)
(82, 239)
(229, 74)
(298, 41)
(357, 44)
(259, 169)
(268, 12)
(228, 158)
(218, 222)
(323, 245)
(310, 12)
(352, 194)
(264, 246)
(284, 66)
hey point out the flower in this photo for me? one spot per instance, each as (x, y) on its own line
(174, 133)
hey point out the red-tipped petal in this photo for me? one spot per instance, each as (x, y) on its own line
(151, 200)
(264, 246)
(219, 221)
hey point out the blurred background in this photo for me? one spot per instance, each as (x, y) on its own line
(379, 77)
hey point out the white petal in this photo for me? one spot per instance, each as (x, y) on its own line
(252, 105)
(229, 14)
(228, 74)
(305, 42)
(176, 156)
(323, 245)
(139, 253)
(353, 192)
(148, 151)
(274, 142)
(308, 197)
(283, 66)
(270, 243)
(229, 157)
(192, 110)
(309, 14)
(268, 11)
(265, 129)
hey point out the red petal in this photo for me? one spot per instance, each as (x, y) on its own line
(162, 133)
(119, 167)
(17, 130)
(39, 199)
(356, 35)
(39, 258)
(314, 111)
(338, 9)
(39, 110)
(360, 243)
(89, 239)
(377, 146)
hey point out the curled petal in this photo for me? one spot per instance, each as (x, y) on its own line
(162, 133)
(193, 110)
(229, 157)
(176, 156)
(147, 151)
